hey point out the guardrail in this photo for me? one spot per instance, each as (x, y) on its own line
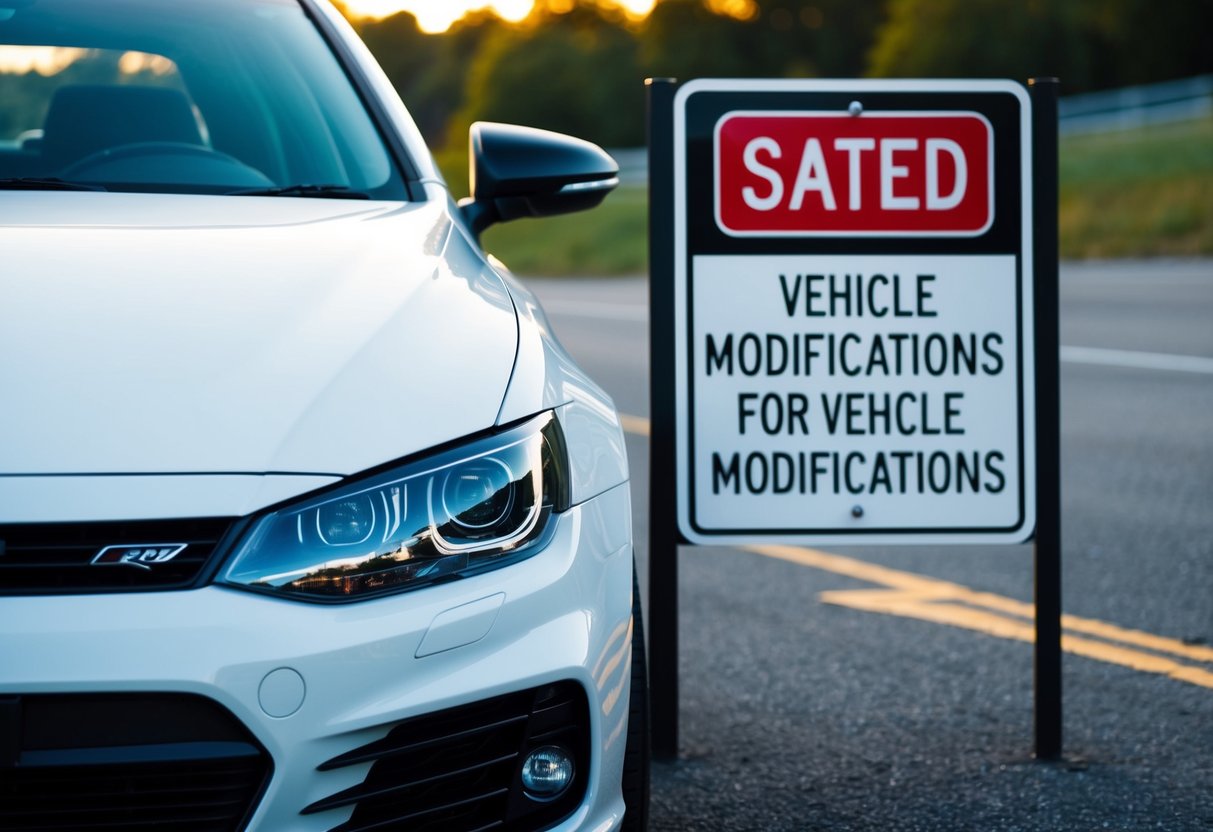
(633, 164)
(1129, 107)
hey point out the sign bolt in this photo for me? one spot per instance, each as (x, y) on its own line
(857, 512)
(854, 108)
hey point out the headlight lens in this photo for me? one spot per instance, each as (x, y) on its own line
(478, 506)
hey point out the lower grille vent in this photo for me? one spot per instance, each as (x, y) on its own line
(459, 770)
(170, 762)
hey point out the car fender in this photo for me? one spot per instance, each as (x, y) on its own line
(546, 378)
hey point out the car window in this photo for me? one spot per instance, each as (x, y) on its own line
(189, 96)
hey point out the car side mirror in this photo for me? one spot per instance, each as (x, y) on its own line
(524, 172)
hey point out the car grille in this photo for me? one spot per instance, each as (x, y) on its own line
(173, 762)
(57, 558)
(458, 770)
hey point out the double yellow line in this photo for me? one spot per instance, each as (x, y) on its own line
(942, 602)
(928, 599)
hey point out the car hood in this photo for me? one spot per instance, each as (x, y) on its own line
(254, 334)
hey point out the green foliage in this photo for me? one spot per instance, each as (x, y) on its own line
(684, 39)
(576, 66)
(1089, 44)
(1140, 41)
(429, 71)
(574, 72)
(959, 38)
(780, 38)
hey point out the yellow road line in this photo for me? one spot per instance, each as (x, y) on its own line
(908, 585)
(943, 602)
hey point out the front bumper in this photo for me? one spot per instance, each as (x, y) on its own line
(313, 682)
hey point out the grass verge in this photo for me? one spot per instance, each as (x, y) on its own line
(610, 239)
(1139, 193)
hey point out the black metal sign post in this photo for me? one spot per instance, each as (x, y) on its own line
(1048, 421)
(663, 532)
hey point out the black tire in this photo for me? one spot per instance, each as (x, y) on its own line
(637, 754)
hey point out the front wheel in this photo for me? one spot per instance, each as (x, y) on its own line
(636, 756)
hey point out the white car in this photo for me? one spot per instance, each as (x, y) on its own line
(307, 522)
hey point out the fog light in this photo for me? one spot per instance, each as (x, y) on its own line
(547, 772)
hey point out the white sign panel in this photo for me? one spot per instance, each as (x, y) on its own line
(853, 352)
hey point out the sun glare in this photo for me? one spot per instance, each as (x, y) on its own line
(740, 9)
(47, 60)
(437, 15)
(51, 60)
(133, 63)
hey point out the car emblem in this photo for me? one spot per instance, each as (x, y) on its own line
(142, 556)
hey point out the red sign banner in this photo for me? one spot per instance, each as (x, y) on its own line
(893, 174)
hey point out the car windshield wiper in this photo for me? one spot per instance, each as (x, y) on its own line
(321, 191)
(50, 183)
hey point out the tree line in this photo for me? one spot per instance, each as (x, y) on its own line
(576, 66)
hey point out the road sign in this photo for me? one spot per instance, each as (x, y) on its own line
(853, 297)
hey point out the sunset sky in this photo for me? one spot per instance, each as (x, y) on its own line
(437, 15)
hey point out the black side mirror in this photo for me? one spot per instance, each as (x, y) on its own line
(524, 172)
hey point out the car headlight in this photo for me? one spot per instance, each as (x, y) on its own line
(477, 506)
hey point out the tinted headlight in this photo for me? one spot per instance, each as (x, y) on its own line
(477, 506)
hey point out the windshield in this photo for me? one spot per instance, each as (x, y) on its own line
(186, 96)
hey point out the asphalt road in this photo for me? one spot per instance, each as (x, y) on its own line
(863, 693)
